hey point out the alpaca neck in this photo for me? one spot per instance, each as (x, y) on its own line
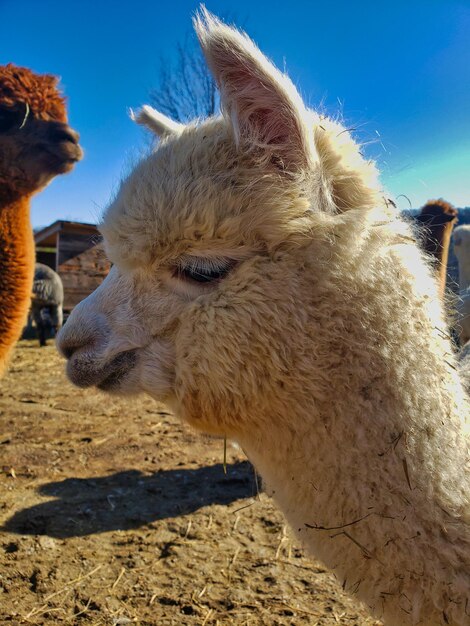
(362, 468)
(437, 244)
(367, 505)
(443, 254)
(16, 272)
(371, 460)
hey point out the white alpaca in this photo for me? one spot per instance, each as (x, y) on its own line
(263, 287)
(461, 241)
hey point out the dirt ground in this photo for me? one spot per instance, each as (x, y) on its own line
(113, 512)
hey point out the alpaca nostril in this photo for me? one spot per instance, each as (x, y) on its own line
(67, 352)
(68, 343)
(64, 133)
(78, 335)
(66, 136)
(66, 348)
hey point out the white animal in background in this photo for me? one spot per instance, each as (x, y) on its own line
(461, 240)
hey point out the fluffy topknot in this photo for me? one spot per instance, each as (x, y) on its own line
(20, 84)
(441, 209)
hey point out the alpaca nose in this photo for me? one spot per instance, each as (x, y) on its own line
(70, 342)
(81, 334)
(62, 132)
(66, 348)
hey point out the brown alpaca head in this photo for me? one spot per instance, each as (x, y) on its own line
(437, 218)
(36, 142)
(437, 212)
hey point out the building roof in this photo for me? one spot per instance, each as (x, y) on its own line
(47, 236)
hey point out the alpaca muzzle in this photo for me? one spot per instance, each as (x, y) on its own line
(84, 370)
(62, 146)
(91, 361)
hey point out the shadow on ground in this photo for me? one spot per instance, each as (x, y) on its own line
(130, 499)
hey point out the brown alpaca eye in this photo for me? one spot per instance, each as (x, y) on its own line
(11, 117)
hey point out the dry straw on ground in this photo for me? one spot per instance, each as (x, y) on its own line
(113, 513)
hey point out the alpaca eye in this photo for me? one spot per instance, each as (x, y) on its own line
(10, 117)
(201, 276)
(204, 270)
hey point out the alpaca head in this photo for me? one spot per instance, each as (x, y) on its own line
(437, 213)
(216, 238)
(461, 239)
(437, 219)
(36, 142)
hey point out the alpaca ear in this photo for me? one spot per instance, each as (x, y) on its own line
(158, 123)
(264, 107)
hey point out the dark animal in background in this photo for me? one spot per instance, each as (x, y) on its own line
(437, 220)
(48, 299)
(36, 144)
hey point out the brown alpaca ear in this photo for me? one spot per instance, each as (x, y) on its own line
(159, 124)
(264, 107)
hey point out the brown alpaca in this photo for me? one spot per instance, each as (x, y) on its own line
(437, 219)
(36, 144)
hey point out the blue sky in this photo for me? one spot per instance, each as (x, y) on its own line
(398, 71)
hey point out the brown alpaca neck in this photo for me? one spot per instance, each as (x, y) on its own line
(445, 245)
(438, 219)
(437, 243)
(16, 271)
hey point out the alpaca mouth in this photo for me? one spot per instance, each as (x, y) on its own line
(81, 371)
(65, 155)
(120, 367)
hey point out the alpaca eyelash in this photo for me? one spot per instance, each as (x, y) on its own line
(203, 270)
